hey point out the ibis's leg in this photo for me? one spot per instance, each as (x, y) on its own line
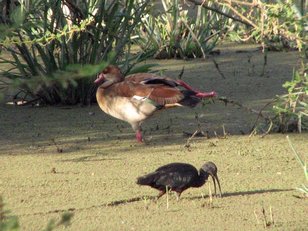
(177, 194)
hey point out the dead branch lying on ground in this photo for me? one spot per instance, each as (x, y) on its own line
(218, 69)
(259, 113)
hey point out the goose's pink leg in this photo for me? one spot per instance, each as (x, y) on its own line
(139, 136)
(206, 94)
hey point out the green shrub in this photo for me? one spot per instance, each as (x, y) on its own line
(175, 34)
(275, 25)
(291, 109)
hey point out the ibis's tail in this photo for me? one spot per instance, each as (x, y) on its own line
(147, 179)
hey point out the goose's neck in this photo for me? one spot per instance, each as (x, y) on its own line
(109, 83)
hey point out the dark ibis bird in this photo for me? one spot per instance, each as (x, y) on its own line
(178, 177)
(136, 97)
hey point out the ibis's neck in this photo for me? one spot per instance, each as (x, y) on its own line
(203, 176)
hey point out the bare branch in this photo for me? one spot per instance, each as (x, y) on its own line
(201, 3)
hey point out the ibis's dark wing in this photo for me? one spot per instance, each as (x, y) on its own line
(176, 175)
(176, 180)
(172, 167)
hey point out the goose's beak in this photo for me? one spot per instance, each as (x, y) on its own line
(100, 78)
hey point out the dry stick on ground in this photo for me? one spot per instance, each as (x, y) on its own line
(218, 69)
(224, 131)
(23, 100)
(264, 218)
(59, 150)
(32, 102)
(260, 114)
(181, 73)
(187, 144)
(198, 132)
(264, 63)
(266, 222)
(272, 216)
(258, 222)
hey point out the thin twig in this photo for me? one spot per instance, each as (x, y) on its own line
(59, 150)
(181, 73)
(260, 114)
(190, 138)
(243, 18)
(272, 216)
(268, 130)
(224, 131)
(226, 101)
(29, 102)
(258, 222)
(218, 69)
(201, 3)
(264, 217)
(264, 63)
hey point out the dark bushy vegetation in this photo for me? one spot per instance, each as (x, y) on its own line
(291, 109)
(181, 32)
(44, 38)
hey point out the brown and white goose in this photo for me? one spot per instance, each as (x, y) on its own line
(136, 97)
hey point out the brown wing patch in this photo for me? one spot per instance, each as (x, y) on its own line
(139, 77)
(166, 95)
(159, 93)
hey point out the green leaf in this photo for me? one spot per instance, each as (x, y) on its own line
(18, 15)
(142, 68)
